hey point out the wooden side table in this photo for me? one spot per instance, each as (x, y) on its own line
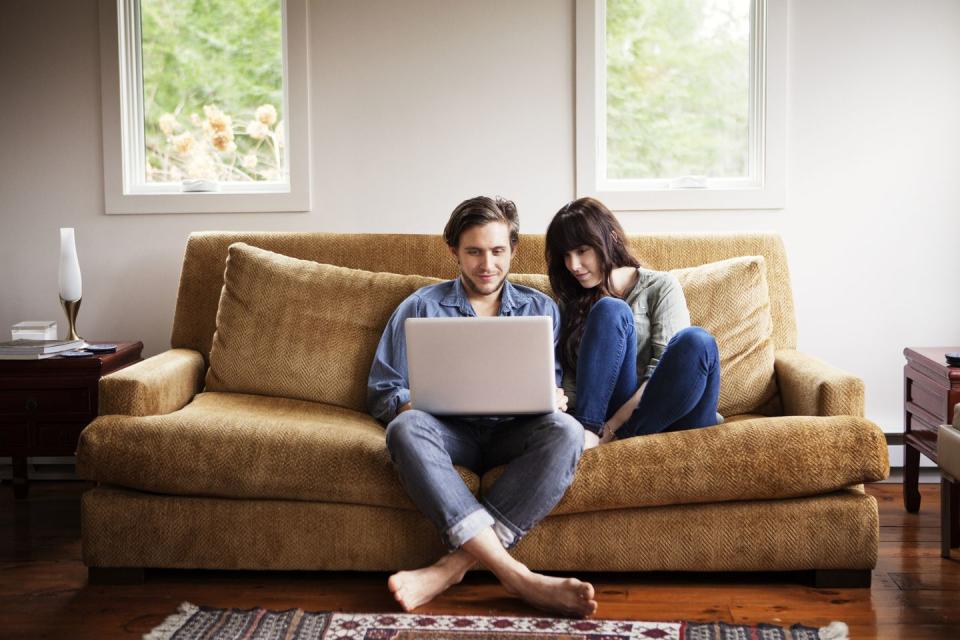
(45, 404)
(930, 391)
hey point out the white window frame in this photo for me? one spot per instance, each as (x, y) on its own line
(766, 189)
(122, 112)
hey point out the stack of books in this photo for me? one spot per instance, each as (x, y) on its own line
(35, 349)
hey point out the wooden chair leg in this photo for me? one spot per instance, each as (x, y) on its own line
(955, 514)
(949, 514)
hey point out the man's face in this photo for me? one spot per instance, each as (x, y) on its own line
(484, 256)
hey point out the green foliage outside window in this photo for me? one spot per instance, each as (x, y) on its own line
(677, 88)
(213, 89)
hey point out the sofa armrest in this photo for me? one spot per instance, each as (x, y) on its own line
(811, 387)
(160, 384)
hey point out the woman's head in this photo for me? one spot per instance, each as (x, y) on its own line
(584, 244)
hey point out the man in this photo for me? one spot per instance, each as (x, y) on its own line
(541, 452)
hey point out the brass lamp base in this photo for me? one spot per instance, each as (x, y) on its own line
(71, 307)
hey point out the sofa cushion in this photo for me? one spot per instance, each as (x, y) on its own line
(245, 446)
(300, 329)
(730, 300)
(757, 459)
(537, 281)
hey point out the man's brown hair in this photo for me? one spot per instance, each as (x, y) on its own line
(479, 211)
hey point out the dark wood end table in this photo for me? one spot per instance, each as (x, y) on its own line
(45, 404)
(931, 389)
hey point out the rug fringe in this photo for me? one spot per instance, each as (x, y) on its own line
(836, 630)
(168, 627)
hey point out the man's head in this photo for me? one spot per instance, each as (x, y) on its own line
(482, 234)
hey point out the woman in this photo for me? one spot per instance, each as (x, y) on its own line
(640, 367)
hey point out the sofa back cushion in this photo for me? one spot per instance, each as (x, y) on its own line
(202, 275)
(730, 300)
(300, 329)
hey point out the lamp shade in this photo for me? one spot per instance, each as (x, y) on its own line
(70, 285)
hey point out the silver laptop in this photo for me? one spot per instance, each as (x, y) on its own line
(481, 366)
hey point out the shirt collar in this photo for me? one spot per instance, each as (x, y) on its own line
(511, 298)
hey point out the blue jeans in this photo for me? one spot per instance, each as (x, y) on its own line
(540, 453)
(681, 394)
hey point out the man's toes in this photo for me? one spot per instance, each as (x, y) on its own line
(394, 583)
(587, 591)
(404, 600)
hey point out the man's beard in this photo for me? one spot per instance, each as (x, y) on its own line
(472, 286)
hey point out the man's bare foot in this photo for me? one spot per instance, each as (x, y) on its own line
(566, 596)
(415, 588)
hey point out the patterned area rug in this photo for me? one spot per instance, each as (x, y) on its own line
(203, 623)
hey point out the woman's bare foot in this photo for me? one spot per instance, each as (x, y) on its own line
(566, 596)
(415, 588)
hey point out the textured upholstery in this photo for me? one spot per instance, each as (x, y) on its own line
(298, 329)
(161, 384)
(730, 300)
(260, 447)
(202, 275)
(538, 281)
(131, 529)
(757, 459)
(811, 387)
(245, 446)
(831, 531)
(290, 484)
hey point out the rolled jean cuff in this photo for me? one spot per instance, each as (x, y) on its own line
(467, 528)
(508, 533)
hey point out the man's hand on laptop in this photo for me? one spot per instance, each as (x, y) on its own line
(561, 400)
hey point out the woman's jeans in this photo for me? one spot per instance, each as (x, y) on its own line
(681, 394)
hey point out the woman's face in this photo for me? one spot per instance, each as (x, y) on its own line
(583, 265)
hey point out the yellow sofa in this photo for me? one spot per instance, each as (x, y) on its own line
(188, 478)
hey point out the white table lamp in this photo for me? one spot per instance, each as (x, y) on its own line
(70, 283)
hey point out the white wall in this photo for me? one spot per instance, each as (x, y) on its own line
(417, 104)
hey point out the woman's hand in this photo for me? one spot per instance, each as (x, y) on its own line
(608, 434)
(561, 400)
(623, 413)
(590, 439)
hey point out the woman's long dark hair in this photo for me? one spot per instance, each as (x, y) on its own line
(583, 222)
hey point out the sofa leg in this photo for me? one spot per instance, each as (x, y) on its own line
(115, 575)
(842, 579)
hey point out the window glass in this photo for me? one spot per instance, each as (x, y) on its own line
(213, 90)
(678, 88)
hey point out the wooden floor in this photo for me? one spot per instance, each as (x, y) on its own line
(44, 591)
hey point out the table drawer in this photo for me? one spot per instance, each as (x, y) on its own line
(46, 401)
(14, 438)
(55, 438)
(931, 399)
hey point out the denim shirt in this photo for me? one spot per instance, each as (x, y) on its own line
(388, 387)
